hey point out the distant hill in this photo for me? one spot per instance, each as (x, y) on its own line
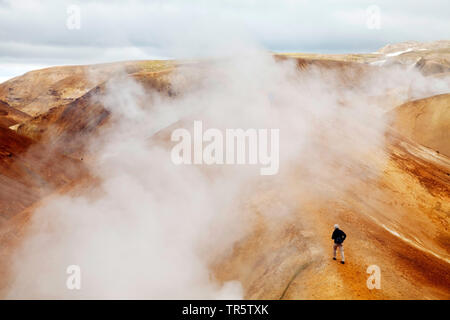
(38, 91)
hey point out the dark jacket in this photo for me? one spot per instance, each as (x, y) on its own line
(338, 236)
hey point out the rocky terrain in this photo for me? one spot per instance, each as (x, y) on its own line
(398, 218)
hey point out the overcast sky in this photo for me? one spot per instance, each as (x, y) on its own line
(36, 34)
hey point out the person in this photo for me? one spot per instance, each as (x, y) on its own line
(338, 236)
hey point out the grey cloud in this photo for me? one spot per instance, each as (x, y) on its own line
(36, 30)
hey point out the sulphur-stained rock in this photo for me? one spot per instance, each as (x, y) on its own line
(38, 91)
(425, 121)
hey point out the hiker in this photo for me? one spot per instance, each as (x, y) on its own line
(338, 236)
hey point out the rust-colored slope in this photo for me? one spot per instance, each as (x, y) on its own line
(398, 222)
(426, 121)
(40, 90)
(28, 171)
(69, 127)
(10, 116)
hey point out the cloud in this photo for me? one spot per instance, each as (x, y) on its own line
(36, 30)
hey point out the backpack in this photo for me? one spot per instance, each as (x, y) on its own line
(340, 237)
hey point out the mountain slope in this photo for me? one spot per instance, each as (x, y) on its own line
(398, 222)
(38, 91)
(426, 121)
(10, 116)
